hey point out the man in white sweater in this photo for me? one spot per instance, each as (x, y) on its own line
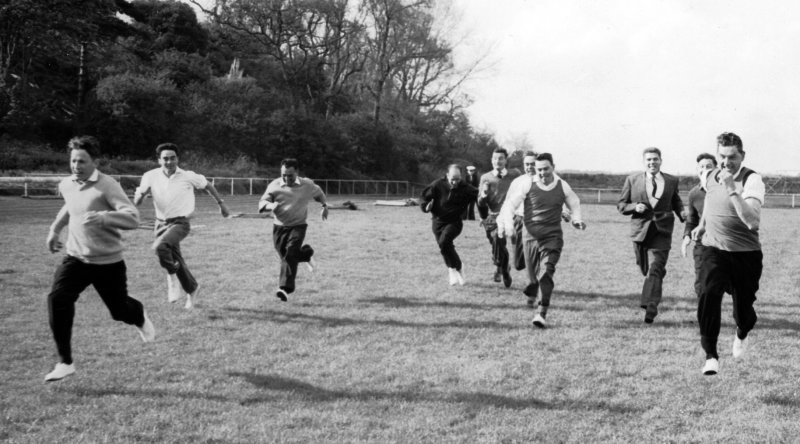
(95, 209)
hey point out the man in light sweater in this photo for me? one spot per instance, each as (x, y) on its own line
(492, 192)
(542, 201)
(95, 209)
(172, 189)
(287, 198)
(731, 259)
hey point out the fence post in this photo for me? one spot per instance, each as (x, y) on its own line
(231, 186)
(251, 186)
(25, 193)
(598, 196)
(793, 195)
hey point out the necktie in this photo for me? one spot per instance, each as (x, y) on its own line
(499, 174)
(655, 187)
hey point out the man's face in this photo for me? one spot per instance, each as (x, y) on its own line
(544, 169)
(704, 166)
(453, 178)
(81, 164)
(498, 161)
(288, 174)
(652, 163)
(730, 159)
(168, 160)
(528, 162)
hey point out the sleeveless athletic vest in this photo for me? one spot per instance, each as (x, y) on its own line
(724, 229)
(542, 211)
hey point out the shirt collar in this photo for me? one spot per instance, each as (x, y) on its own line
(178, 170)
(297, 182)
(92, 178)
(505, 172)
(739, 171)
(658, 175)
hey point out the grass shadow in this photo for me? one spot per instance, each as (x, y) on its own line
(329, 321)
(392, 302)
(314, 393)
(100, 392)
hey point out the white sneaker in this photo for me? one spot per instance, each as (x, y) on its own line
(173, 288)
(311, 264)
(539, 321)
(452, 276)
(460, 277)
(190, 297)
(711, 367)
(147, 331)
(739, 346)
(60, 372)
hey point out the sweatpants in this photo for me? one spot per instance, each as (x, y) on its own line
(541, 257)
(71, 278)
(288, 243)
(720, 271)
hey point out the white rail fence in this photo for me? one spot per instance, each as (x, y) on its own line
(31, 186)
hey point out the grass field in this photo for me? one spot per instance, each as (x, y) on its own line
(376, 347)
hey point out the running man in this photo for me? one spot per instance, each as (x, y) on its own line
(493, 188)
(731, 259)
(542, 201)
(446, 199)
(287, 198)
(697, 195)
(172, 189)
(95, 209)
(650, 198)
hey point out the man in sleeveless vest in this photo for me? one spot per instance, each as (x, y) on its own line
(732, 258)
(446, 199)
(650, 198)
(697, 195)
(542, 237)
(493, 188)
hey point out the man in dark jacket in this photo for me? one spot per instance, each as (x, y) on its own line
(446, 199)
(471, 179)
(650, 198)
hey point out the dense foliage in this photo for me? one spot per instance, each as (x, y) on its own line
(360, 88)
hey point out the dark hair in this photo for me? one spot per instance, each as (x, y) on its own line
(86, 143)
(651, 149)
(501, 150)
(545, 156)
(290, 162)
(730, 139)
(707, 156)
(530, 153)
(165, 147)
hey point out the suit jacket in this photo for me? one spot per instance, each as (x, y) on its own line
(661, 216)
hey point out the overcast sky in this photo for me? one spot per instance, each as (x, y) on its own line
(595, 82)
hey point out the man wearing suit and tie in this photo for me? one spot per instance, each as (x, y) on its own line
(650, 198)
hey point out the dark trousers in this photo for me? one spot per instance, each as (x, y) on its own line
(542, 258)
(71, 278)
(653, 265)
(469, 212)
(289, 245)
(518, 249)
(720, 271)
(697, 254)
(499, 251)
(445, 233)
(169, 234)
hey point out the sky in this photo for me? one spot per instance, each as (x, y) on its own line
(596, 82)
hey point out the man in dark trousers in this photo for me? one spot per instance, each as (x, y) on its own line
(471, 179)
(651, 198)
(493, 188)
(288, 198)
(697, 195)
(446, 199)
(731, 259)
(95, 210)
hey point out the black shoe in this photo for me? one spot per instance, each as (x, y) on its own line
(507, 279)
(280, 294)
(648, 318)
(531, 302)
(497, 276)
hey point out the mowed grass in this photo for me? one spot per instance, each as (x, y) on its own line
(376, 347)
